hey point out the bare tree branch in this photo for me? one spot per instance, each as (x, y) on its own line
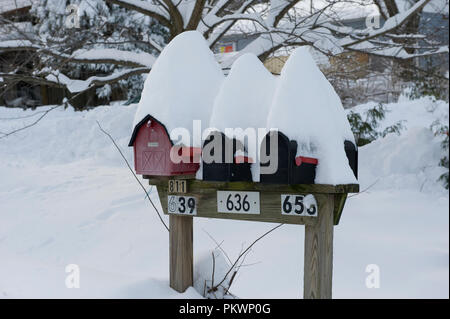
(31, 124)
(242, 254)
(132, 171)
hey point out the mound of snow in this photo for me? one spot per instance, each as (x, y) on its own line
(307, 109)
(65, 136)
(420, 112)
(243, 103)
(245, 96)
(408, 161)
(182, 84)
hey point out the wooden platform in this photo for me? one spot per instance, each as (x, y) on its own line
(205, 194)
(319, 230)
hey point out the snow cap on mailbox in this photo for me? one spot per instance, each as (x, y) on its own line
(307, 110)
(181, 86)
(240, 108)
(245, 96)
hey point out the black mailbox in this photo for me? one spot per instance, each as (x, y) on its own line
(290, 169)
(352, 154)
(228, 166)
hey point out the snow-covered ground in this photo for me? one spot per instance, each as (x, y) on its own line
(66, 197)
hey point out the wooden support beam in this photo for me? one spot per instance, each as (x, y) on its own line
(181, 252)
(339, 202)
(194, 184)
(318, 267)
(270, 198)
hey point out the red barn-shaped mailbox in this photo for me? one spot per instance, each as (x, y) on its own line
(152, 151)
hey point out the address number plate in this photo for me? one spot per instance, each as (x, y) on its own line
(299, 205)
(238, 202)
(177, 186)
(181, 205)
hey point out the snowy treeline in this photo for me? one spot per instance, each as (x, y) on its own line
(117, 40)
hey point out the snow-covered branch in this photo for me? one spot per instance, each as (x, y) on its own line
(157, 11)
(16, 45)
(75, 86)
(397, 52)
(112, 56)
(271, 26)
(319, 31)
(5, 77)
(57, 79)
(391, 24)
(215, 21)
(278, 10)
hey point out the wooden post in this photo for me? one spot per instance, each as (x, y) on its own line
(181, 252)
(318, 266)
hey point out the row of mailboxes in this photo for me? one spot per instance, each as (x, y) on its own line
(153, 147)
(289, 168)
